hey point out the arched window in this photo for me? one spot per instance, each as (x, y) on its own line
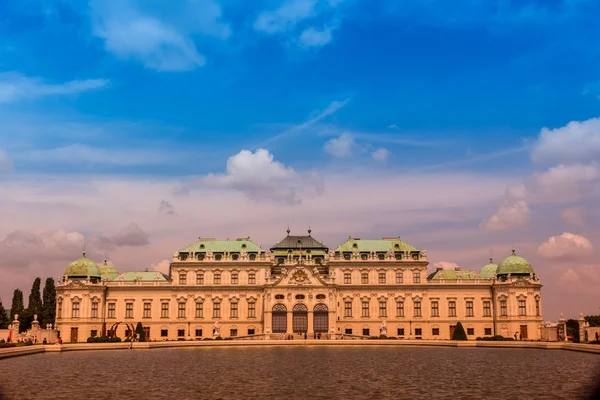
(321, 297)
(279, 297)
(279, 318)
(235, 256)
(300, 318)
(253, 256)
(300, 297)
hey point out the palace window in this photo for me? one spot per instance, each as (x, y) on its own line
(111, 310)
(199, 279)
(469, 308)
(251, 331)
(251, 309)
(399, 277)
(364, 256)
(217, 278)
(470, 331)
(382, 277)
(522, 307)
(435, 331)
(251, 278)
(320, 297)
(233, 311)
(503, 310)
(365, 309)
(59, 312)
(181, 309)
(182, 278)
(399, 309)
(383, 309)
(398, 256)
(147, 310)
(252, 256)
(487, 331)
(128, 310)
(487, 309)
(233, 332)
(279, 297)
(347, 278)
(94, 309)
(75, 310)
(164, 310)
(400, 332)
(537, 307)
(417, 309)
(199, 310)
(381, 256)
(364, 277)
(198, 332)
(181, 332)
(217, 310)
(235, 256)
(164, 332)
(348, 331)
(218, 257)
(418, 331)
(435, 309)
(452, 309)
(234, 278)
(416, 277)
(366, 332)
(300, 297)
(347, 309)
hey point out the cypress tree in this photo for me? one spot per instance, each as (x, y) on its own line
(49, 306)
(4, 320)
(17, 307)
(459, 332)
(139, 329)
(35, 302)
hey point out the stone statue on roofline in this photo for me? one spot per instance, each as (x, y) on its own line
(390, 253)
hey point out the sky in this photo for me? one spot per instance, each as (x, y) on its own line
(466, 128)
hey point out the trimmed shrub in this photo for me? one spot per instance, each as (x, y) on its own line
(139, 329)
(207, 338)
(459, 332)
(228, 338)
(114, 339)
(7, 345)
(218, 338)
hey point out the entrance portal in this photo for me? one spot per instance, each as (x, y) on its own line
(300, 318)
(452, 328)
(321, 318)
(74, 334)
(147, 333)
(279, 322)
(523, 332)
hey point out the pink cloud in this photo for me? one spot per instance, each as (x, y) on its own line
(574, 215)
(568, 245)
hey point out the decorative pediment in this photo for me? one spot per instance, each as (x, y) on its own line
(301, 276)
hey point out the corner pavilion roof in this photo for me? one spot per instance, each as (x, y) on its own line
(453, 274)
(379, 245)
(220, 246)
(143, 276)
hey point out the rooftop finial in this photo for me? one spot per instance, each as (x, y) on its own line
(513, 250)
(491, 257)
(288, 229)
(309, 230)
(83, 252)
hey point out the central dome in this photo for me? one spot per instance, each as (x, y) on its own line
(82, 268)
(108, 271)
(514, 265)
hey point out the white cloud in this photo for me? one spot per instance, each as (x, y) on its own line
(5, 161)
(574, 215)
(446, 265)
(161, 39)
(311, 37)
(514, 213)
(566, 246)
(566, 182)
(285, 17)
(261, 178)
(14, 87)
(341, 147)
(577, 142)
(162, 266)
(381, 154)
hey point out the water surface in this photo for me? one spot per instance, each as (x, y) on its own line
(301, 373)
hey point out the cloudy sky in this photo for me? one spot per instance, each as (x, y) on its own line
(464, 127)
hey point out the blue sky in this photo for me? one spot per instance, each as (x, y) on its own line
(466, 126)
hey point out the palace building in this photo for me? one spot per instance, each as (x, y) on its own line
(362, 288)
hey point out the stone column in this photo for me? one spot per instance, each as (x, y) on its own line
(562, 328)
(582, 326)
(311, 323)
(290, 327)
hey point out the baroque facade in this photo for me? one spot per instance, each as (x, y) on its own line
(364, 287)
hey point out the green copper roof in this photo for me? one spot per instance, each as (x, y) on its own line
(108, 271)
(489, 270)
(514, 265)
(453, 274)
(380, 245)
(143, 276)
(220, 246)
(82, 268)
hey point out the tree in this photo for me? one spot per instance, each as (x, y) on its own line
(4, 320)
(17, 307)
(139, 329)
(459, 332)
(593, 320)
(34, 307)
(49, 306)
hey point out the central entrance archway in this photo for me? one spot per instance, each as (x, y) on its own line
(279, 322)
(321, 318)
(300, 318)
